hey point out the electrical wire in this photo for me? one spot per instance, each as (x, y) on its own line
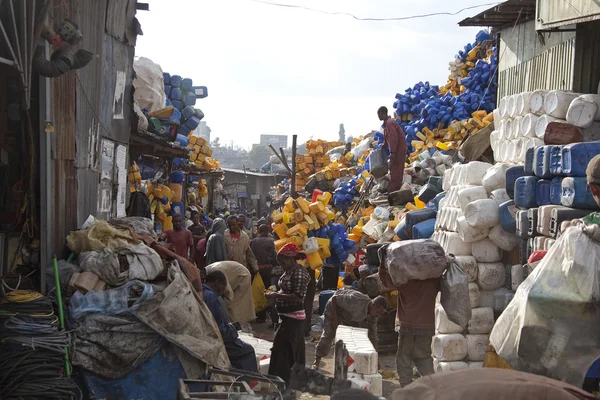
(33, 349)
(375, 19)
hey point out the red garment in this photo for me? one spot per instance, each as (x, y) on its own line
(200, 254)
(290, 250)
(416, 301)
(181, 240)
(395, 140)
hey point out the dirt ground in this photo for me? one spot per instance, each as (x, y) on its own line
(387, 362)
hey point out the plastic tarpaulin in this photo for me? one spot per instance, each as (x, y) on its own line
(156, 379)
(550, 327)
(113, 346)
(181, 316)
(142, 263)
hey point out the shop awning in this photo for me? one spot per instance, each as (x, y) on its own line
(502, 15)
(150, 145)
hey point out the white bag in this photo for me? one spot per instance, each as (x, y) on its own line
(551, 325)
(149, 85)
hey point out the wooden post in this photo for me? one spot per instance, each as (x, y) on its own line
(293, 192)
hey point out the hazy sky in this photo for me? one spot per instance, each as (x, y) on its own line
(279, 70)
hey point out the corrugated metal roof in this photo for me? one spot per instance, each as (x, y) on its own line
(503, 14)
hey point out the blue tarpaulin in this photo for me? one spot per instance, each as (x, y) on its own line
(156, 379)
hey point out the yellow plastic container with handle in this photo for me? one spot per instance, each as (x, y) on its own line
(280, 230)
(314, 260)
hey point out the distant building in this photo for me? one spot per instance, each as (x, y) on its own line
(203, 131)
(276, 140)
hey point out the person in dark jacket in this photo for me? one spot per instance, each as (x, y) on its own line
(215, 242)
(241, 355)
(288, 342)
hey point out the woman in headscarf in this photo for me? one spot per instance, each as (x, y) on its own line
(288, 343)
(215, 243)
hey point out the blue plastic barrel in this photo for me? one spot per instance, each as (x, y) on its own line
(186, 84)
(182, 140)
(401, 231)
(192, 123)
(176, 80)
(176, 94)
(525, 191)
(177, 208)
(541, 162)
(166, 78)
(177, 104)
(188, 112)
(324, 297)
(529, 160)
(413, 217)
(189, 98)
(542, 192)
(183, 130)
(512, 174)
(556, 160)
(556, 190)
(577, 194)
(177, 176)
(424, 229)
(576, 156)
(507, 211)
(176, 116)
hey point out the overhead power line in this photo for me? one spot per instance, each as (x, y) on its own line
(374, 19)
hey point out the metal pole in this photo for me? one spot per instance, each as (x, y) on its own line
(293, 192)
(46, 177)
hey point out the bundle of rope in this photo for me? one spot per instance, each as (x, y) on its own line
(33, 349)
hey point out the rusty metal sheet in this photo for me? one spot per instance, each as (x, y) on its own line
(117, 89)
(65, 202)
(120, 18)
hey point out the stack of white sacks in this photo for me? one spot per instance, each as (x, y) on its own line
(520, 121)
(362, 359)
(468, 226)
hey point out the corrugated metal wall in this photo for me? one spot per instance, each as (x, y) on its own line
(90, 104)
(550, 70)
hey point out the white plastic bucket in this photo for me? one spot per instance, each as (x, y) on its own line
(469, 194)
(494, 178)
(474, 295)
(596, 99)
(512, 106)
(528, 124)
(499, 195)
(485, 251)
(517, 276)
(503, 239)
(536, 102)
(456, 246)
(516, 128)
(523, 103)
(482, 213)
(542, 124)
(502, 107)
(557, 102)
(492, 275)
(449, 347)
(582, 112)
(469, 234)
(469, 266)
